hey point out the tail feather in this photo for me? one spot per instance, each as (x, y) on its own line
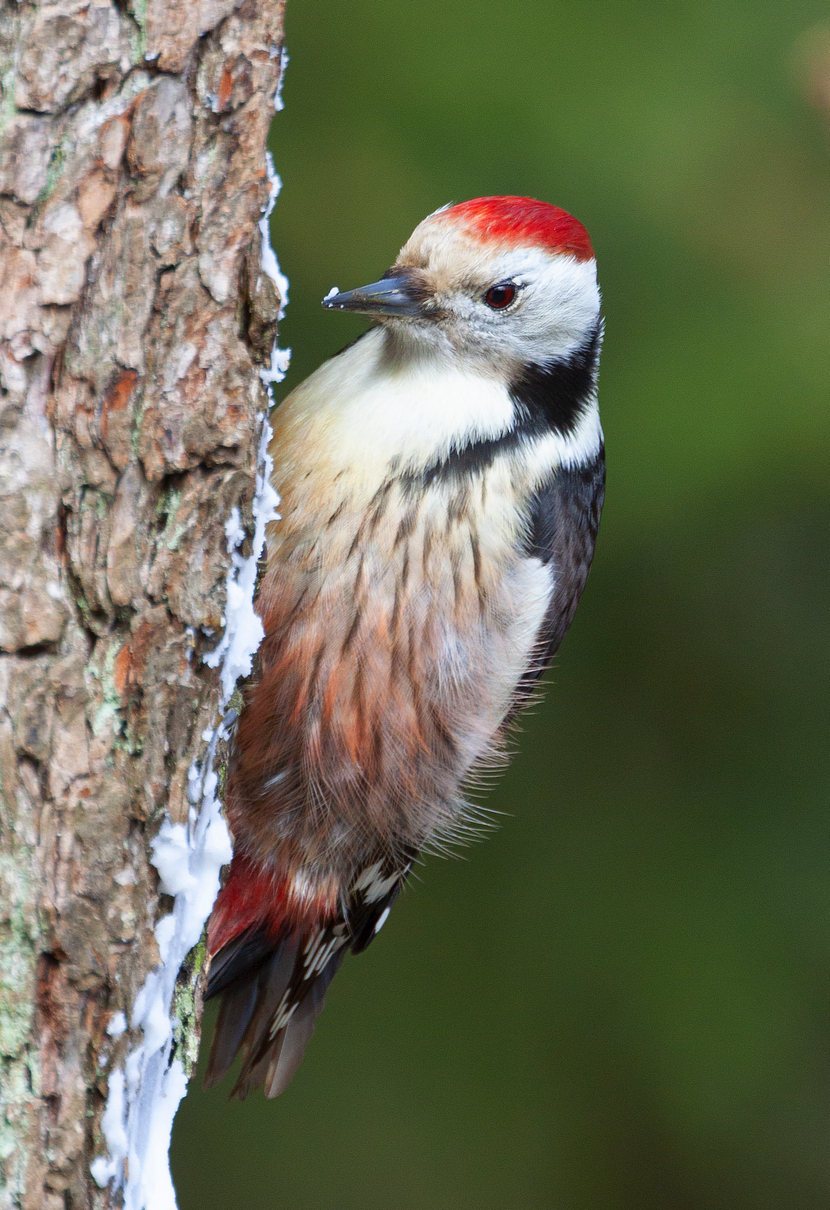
(273, 997)
(237, 1008)
(247, 1009)
(240, 959)
(286, 1058)
(273, 975)
(275, 1038)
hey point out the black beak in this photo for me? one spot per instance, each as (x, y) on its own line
(391, 296)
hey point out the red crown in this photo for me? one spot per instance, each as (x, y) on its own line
(524, 220)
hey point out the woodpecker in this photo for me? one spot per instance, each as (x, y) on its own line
(442, 480)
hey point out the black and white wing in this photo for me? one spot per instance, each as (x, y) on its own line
(564, 521)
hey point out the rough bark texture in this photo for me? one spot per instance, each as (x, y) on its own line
(133, 318)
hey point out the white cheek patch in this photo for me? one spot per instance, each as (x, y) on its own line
(559, 303)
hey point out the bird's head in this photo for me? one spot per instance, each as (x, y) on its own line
(504, 280)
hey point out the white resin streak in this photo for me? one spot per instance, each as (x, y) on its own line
(144, 1096)
(270, 265)
(283, 54)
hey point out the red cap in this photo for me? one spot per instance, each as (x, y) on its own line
(523, 220)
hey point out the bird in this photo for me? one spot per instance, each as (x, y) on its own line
(441, 482)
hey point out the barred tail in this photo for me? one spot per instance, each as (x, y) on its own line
(272, 968)
(271, 997)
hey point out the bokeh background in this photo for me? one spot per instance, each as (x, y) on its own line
(618, 1002)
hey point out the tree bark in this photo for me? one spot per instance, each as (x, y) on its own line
(134, 319)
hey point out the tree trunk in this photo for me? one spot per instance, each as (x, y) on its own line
(135, 319)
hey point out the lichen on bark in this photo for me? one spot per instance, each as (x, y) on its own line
(132, 178)
(187, 1008)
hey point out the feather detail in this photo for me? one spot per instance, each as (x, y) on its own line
(274, 974)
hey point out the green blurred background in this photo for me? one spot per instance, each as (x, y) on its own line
(618, 1002)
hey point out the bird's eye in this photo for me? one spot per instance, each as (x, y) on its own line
(501, 296)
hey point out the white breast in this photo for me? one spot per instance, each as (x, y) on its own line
(358, 416)
(359, 413)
